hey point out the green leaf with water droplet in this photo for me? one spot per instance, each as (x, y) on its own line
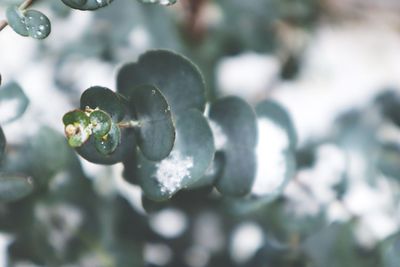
(188, 161)
(126, 148)
(87, 4)
(105, 100)
(101, 123)
(16, 20)
(108, 143)
(174, 75)
(13, 187)
(156, 131)
(2, 144)
(13, 103)
(238, 122)
(37, 24)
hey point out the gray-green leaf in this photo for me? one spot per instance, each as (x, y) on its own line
(237, 127)
(156, 131)
(14, 187)
(175, 76)
(13, 102)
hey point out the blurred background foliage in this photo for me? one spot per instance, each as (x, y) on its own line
(332, 64)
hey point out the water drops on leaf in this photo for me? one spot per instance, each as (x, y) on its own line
(37, 24)
(109, 143)
(101, 123)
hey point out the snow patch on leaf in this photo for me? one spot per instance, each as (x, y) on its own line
(172, 170)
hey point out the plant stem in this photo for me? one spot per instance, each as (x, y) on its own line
(26, 4)
(22, 7)
(3, 24)
(129, 124)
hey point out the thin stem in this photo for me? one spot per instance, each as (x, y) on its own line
(3, 24)
(129, 124)
(26, 4)
(22, 7)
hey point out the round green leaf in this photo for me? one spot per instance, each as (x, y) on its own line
(156, 131)
(104, 99)
(77, 128)
(101, 123)
(2, 144)
(14, 187)
(279, 115)
(108, 143)
(175, 76)
(76, 117)
(188, 161)
(237, 123)
(37, 24)
(87, 4)
(16, 20)
(127, 146)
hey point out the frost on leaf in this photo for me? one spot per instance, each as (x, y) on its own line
(172, 170)
(220, 139)
(271, 162)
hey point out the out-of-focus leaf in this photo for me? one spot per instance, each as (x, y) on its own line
(87, 4)
(13, 187)
(237, 120)
(388, 160)
(391, 251)
(275, 112)
(13, 102)
(2, 143)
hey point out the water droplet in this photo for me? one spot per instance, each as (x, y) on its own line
(153, 92)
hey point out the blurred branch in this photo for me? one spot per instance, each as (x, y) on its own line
(3, 24)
